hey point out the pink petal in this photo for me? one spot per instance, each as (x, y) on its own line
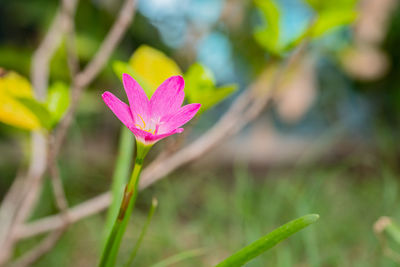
(179, 118)
(138, 101)
(149, 138)
(168, 97)
(120, 109)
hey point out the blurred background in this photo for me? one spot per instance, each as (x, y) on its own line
(326, 144)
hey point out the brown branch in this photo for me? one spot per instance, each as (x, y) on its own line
(37, 252)
(39, 78)
(245, 108)
(54, 222)
(69, 8)
(51, 240)
(63, 23)
(86, 76)
(149, 175)
(64, 19)
(58, 190)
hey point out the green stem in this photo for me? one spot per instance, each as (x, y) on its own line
(154, 204)
(110, 252)
(120, 178)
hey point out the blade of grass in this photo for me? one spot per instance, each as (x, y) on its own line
(180, 257)
(268, 241)
(153, 207)
(120, 177)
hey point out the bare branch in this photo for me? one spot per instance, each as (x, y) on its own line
(112, 39)
(37, 252)
(245, 108)
(85, 77)
(63, 23)
(42, 56)
(55, 222)
(58, 190)
(27, 191)
(69, 9)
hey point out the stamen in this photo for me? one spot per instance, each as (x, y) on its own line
(139, 126)
(144, 123)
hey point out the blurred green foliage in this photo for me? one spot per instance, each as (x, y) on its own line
(201, 88)
(151, 67)
(219, 214)
(211, 210)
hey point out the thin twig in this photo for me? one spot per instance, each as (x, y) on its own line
(80, 81)
(229, 124)
(41, 249)
(58, 190)
(69, 10)
(51, 240)
(54, 222)
(86, 76)
(39, 78)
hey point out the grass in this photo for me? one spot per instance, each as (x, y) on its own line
(220, 212)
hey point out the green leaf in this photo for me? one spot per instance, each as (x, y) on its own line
(57, 101)
(323, 5)
(12, 111)
(200, 87)
(267, 35)
(38, 109)
(270, 240)
(330, 19)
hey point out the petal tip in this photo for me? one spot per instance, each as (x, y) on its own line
(179, 80)
(106, 96)
(126, 76)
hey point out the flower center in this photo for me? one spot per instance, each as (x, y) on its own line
(153, 127)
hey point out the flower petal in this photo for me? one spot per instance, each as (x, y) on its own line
(168, 97)
(138, 101)
(120, 109)
(149, 138)
(179, 118)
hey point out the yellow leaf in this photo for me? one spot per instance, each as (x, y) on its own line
(12, 112)
(151, 67)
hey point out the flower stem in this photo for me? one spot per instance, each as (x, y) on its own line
(110, 252)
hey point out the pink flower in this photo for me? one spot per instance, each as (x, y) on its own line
(154, 119)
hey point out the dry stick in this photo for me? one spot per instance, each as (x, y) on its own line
(99, 203)
(39, 77)
(49, 241)
(85, 77)
(229, 124)
(54, 222)
(96, 204)
(51, 42)
(33, 255)
(67, 24)
(69, 7)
